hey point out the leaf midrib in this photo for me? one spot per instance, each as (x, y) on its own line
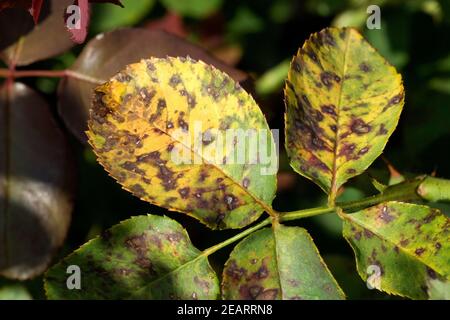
(333, 186)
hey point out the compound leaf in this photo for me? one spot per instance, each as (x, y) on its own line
(162, 129)
(145, 257)
(402, 248)
(278, 263)
(343, 101)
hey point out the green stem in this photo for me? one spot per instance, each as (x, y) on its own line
(405, 191)
(237, 237)
(434, 189)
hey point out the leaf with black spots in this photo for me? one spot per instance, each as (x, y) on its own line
(343, 101)
(400, 248)
(145, 257)
(278, 263)
(129, 46)
(36, 183)
(183, 135)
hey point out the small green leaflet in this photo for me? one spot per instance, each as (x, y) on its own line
(278, 263)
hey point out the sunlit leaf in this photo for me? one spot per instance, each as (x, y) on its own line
(343, 101)
(278, 263)
(107, 17)
(160, 129)
(126, 46)
(145, 257)
(193, 8)
(36, 173)
(14, 292)
(400, 247)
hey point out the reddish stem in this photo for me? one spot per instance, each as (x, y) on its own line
(11, 73)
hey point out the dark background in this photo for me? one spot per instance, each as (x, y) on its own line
(260, 37)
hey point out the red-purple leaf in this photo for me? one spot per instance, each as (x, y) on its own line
(77, 22)
(47, 39)
(36, 183)
(35, 9)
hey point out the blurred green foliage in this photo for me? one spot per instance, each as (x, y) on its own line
(414, 36)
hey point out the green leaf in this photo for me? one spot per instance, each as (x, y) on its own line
(145, 257)
(162, 129)
(343, 101)
(108, 17)
(278, 263)
(193, 8)
(14, 292)
(408, 244)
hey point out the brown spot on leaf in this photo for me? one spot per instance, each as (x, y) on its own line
(234, 272)
(365, 67)
(138, 190)
(328, 77)
(231, 201)
(419, 251)
(174, 80)
(382, 130)
(146, 95)
(359, 127)
(363, 151)
(368, 234)
(385, 215)
(404, 242)
(131, 166)
(184, 192)
(347, 150)
(329, 109)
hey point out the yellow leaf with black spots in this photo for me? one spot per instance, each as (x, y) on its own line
(343, 101)
(181, 134)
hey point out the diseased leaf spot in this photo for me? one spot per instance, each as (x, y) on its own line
(184, 192)
(146, 95)
(347, 150)
(174, 80)
(328, 77)
(363, 151)
(296, 65)
(254, 291)
(350, 171)
(382, 130)
(359, 127)
(234, 271)
(365, 67)
(138, 190)
(385, 216)
(123, 77)
(246, 182)
(231, 201)
(419, 251)
(329, 109)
